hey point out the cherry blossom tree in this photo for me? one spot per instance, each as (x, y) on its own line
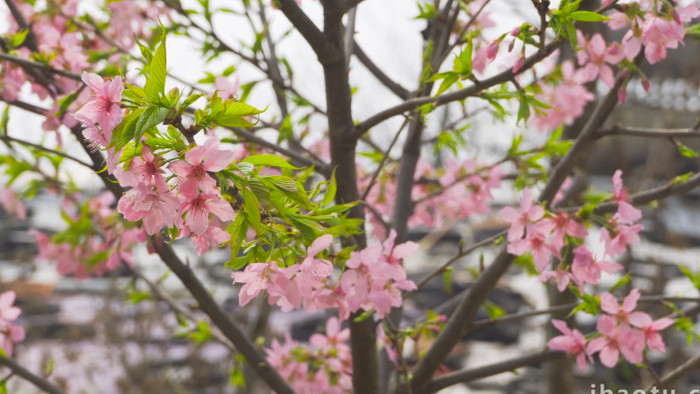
(313, 202)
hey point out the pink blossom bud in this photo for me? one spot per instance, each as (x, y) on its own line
(645, 84)
(515, 32)
(519, 64)
(492, 50)
(622, 94)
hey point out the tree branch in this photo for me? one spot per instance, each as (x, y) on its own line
(650, 133)
(386, 80)
(29, 63)
(457, 95)
(678, 373)
(219, 318)
(30, 377)
(324, 49)
(468, 375)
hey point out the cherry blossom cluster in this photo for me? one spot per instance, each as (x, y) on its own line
(194, 204)
(621, 330)
(67, 49)
(532, 230)
(372, 280)
(655, 29)
(462, 189)
(324, 367)
(654, 25)
(103, 246)
(9, 333)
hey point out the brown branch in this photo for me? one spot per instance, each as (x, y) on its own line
(29, 64)
(30, 377)
(386, 80)
(219, 318)
(678, 373)
(456, 258)
(457, 95)
(177, 307)
(41, 148)
(468, 375)
(649, 133)
(324, 49)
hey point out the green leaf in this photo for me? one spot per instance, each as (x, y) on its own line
(331, 190)
(125, 131)
(202, 334)
(588, 16)
(523, 108)
(138, 297)
(685, 150)
(18, 38)
(621, 282)
(155, 85)
(268, 161)
(447, 82)
(251, 208)
(494, 311)
(151, 117)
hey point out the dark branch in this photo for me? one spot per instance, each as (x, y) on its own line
(386, 80)
(325, 51)
(30, 377)
(28, 64)
(649, 133)
(472, 374)
(457, 95)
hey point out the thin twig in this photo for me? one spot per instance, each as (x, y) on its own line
(30, 377)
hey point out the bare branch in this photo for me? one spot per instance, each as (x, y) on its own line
(44, 149)
(456, 258)
(468, 375)
(649, 133)
(678, 373)
(219, 318)
(28, 64)
(325, 51)
(30, 377)
(386, 80)
(461, 94)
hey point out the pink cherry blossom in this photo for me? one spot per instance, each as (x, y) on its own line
(103, 109)
(651, 329)
(618, 237)
(572, 342)
(9, 333)
(157, 207)
(568, 99)
(193, 174)
(198, 207)
(562, 225)
(268, 277)
(626, 213)
(214, 235)
(536, 243)
(624, 314)
(616, 339)
(529, 213)
(313, 272)
(560, 276)
(587, 270)
(374, 277)
(595, 56)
